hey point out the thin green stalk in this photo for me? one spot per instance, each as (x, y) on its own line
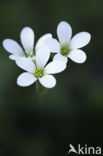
(41, 93)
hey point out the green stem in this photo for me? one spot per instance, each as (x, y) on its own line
(37, 87)
(41, 93)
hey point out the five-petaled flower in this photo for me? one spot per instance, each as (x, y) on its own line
(27, 37)
(67, 47)
(38, 70)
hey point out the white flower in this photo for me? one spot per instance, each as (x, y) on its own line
(39, 70)
(67, 47)
(27, 37)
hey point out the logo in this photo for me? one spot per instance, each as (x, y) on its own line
(85, 150)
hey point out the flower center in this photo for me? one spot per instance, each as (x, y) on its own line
(65, 49)
(39, 72)
(29, 53)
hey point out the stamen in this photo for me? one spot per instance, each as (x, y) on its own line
(65, 49)
(39, 72)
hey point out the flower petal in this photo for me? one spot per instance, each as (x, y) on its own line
(12, 46)
(26, 64)
(64, 32)
(42, 39)
(80, 40)
(42, 56)
(32, 58)
(48, 81)
(14, 57)
(59, 57)
(55, 67)
(77, 56)
(53, 45)
(26, 79)
(27, 39)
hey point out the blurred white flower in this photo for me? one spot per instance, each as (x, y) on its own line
(39, 70)
(67, 47)
(27, 38)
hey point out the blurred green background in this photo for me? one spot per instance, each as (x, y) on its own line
(72, 112)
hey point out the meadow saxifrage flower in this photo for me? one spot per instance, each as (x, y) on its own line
(27, 38)
(67, 47)
(38, 70)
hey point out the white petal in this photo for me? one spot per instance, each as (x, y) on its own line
(12, 46)
(64, 32)
(59, 57)
(42, 56)
(55, 67)
(32, 58)
(77, 56)
(14, 57)
(26, 79)
(27, 39)
(80, 40)
(48, 81)
(26, 64)
(41, 41)
(53, 45)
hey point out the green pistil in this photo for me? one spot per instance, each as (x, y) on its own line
(39, 72)
(65, 49)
